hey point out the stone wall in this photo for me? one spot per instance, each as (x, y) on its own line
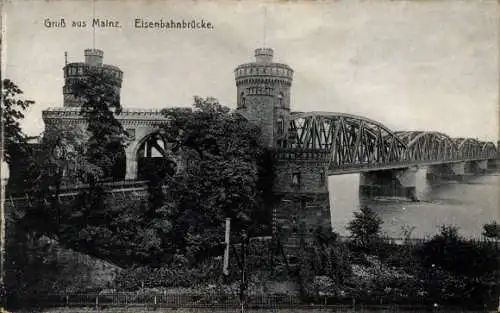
(304, 203)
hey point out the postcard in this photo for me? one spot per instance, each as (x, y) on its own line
(250, 155)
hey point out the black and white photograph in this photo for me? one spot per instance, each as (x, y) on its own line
(250, 156)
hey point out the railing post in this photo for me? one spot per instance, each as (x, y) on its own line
(97, 302)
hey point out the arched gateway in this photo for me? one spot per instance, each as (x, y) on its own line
(140, 124)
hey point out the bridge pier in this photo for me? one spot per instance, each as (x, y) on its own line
(493, 164)
(131, 169)
(448, 171)
(389, 183)
(476, 167)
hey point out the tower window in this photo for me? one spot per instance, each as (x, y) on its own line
(321, 177)
(296, 179)
(242, 99)
(281, 97)
(281, 126)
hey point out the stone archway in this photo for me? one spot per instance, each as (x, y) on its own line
(153, 157)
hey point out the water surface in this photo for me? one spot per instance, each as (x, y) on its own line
(467, 204)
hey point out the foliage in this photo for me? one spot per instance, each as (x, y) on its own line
(61, 156)
(380, 283)
(450, 252)
(12, 113)
(324, 264)
(491, 230)
(222, 175)
(174, 276)
(443, 270)
(30, 270)
(122, 232)
(100, 102)
(365, 227)
(17, 152)
(88, 224)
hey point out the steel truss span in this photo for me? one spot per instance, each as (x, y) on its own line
(429, 146)
(348, 141)
(344, 140)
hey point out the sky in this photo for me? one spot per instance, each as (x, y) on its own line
(411, 65)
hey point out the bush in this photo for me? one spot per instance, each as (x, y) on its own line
(325, 264)
(491, 230)
(171, 277)
(458, 270)
(450, 252)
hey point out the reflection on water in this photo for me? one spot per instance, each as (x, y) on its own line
(467, 204)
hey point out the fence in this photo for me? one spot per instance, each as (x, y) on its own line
(228, 302)
(164, 300)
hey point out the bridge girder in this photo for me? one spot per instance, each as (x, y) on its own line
(488, 150)
(469, 148)
(348, 142)
(429, 146)
(343, 140)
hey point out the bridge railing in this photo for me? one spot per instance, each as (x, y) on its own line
(323, 156)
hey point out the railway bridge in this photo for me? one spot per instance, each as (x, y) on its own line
(308, 146)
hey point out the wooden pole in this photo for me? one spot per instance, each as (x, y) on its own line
(226, 251)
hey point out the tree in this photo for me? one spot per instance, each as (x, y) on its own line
(17, 152)
(100, 97)
(15, 146)
(225, 176)
(12, 113)
(89, 219)
(60, 160)
(491, 230)
(365, 227)
(222, 153)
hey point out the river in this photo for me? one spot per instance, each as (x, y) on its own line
(467, 204)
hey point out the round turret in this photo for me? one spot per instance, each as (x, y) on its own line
(94, 57)
(263, 95)
(76, 71)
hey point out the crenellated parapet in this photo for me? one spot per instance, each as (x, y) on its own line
(266, 73)
(263, 77)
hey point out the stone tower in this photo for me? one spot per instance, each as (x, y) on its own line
(76, 70)
(263, 93)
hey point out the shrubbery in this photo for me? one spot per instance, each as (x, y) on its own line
(324, 266)
(180, 276)
(458, 270)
